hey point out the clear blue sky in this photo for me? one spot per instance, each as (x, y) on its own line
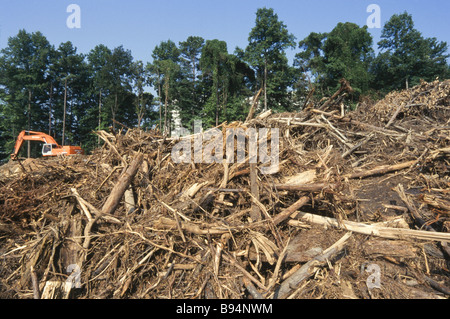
(140, 25)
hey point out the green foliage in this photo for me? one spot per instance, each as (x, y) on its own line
(228, 76)
(265, 53)
(311, 59)
(406, 56)
(164, 73)
(190, 96)
(345, 52)
(68, 76)
(36, 79)
(24, 70)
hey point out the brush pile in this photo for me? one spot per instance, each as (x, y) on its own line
(357, 207)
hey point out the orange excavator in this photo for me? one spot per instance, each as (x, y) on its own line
(50, 147)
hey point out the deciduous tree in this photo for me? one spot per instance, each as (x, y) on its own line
(406, 56)
(265, 53)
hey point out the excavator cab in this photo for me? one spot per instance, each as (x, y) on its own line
(47, 149)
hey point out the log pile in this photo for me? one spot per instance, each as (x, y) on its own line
(358, 208)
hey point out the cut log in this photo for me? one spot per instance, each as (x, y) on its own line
(307, 270)
(317, 187)
(56, 290)
(374, 230)
(255, 213)
(35, 282)
(253, 107)
(381, 170)
(290, 210)
(437, 202)
(130, 204)
(119, 189)
(292, 255)
(389, 248)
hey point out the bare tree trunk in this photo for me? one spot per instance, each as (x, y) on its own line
(160, 102)
(139, 102)
(166, 102)
(265, 84)
(217, 107)
(64, 114)
(114, 112)
(225, 101)
(50, 110)
(29, 121)
(99, 114)
(217, 94)
(194, 95)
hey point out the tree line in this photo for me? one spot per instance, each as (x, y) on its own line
(68, 94)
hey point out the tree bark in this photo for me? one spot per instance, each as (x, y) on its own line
(99, 114)
(121, 186)
(64, 114)
(255, 213)
(29, 122)
(114, 111)
(307, 270)
(381, 170)
(290, 210)
(140, 108)
(265, 84)
(50, 110)
(217, 95)
(194, 95)
(160, 102)
(166, 101)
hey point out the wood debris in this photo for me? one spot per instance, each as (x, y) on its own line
(367, 188)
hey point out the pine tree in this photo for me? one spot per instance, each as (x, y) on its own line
(24, 67)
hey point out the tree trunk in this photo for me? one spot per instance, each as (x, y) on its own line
(64, 114)
(140, 112)
(166, 101)
(217, 95)
(114, 112)
(225, 98)
(217, 108)
(160, 102)
(50, 110)
(29, 122)
(265, 84)
(194, 95)
(99, 114)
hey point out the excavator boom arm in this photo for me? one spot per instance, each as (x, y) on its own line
(31, 136)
